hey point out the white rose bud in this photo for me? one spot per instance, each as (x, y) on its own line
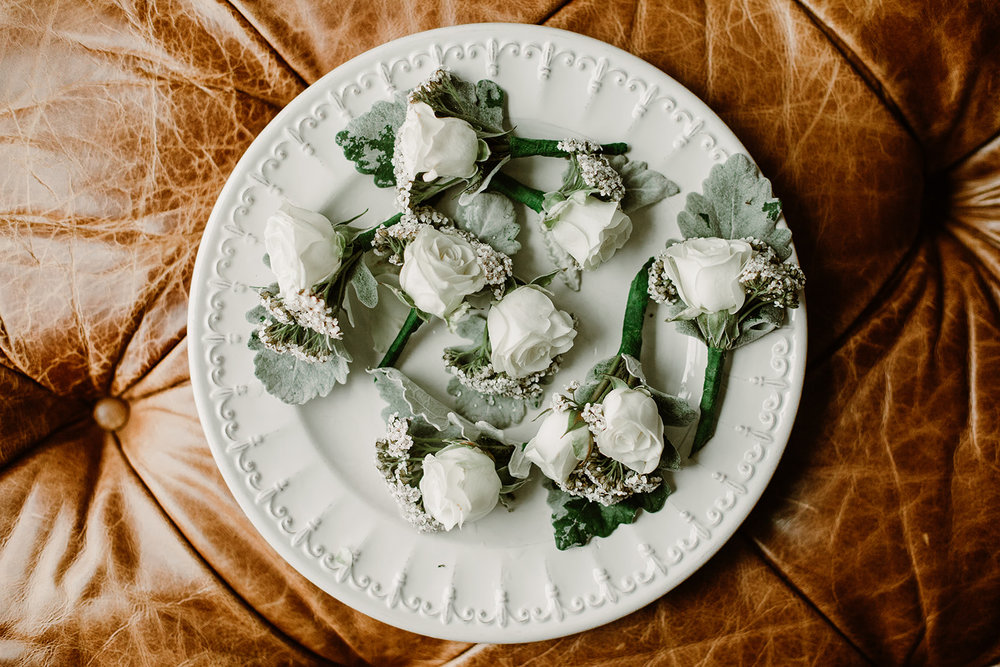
(303, 248)
(590, 231)
(552, 448)
(439, 271)
(706, 273)
(633, 434)
(438, 147)
(460, 485)
(526, 332)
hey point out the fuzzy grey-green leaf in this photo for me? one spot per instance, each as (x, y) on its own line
(364, 284)
(735, 203)
(369, 140)
(491, 217)
(407, 399)
(643, 186)
(500, 411)
(294, 381)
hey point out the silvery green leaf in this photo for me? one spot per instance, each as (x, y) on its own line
(364, 284)
(643, 186)
(484, 101)
(472, 327)
(500, 411)
(634, 367)
(370, 139)
(736, 203)
(576, 520)
(570, 270)
(765, 320)
(292, 380)
(491, 217)
(406, 398)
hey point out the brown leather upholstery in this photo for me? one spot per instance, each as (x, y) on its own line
(877, 122)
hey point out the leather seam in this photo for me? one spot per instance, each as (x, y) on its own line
(797, 592)
(274, 49)
(863, 71)
(215, 573)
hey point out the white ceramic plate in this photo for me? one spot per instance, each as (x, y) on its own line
(304, 475)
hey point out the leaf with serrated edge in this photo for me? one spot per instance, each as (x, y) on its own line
(736, 203)
(292, 380)
(370, 139)
(643, 186)
(491, 217)
(500, 411)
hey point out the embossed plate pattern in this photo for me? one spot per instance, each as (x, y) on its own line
(304, 475)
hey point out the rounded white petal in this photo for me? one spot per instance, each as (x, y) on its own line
(527, 331)
(552, 448)
(592, 231)
(439, 270)
(460, 484)
(302, 247)
(436, 147)
(633, 434)
(706, 273)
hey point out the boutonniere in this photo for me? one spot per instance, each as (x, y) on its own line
(443, 471)
(730, 282)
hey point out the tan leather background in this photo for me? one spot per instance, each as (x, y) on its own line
(878, 539)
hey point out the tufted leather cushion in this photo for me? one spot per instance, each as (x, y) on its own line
(878, 538)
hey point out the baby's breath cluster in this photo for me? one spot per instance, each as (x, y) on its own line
(598, 173)
(479, 375)
(301, 324)
(607, 482)
(579, 146)
(768, 279)
(402, 474)
(661, 289)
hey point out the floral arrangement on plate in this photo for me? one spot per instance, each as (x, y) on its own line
(607, 443)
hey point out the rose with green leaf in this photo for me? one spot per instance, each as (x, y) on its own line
(586, 221)
(515, 349)
(729, 283)
(444, 133)
(443, 471)
(604, 444)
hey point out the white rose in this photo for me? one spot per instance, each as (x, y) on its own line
(591, 231)
(526, 332)
(460, 484)
(552, 448)
(439, 271)
(706, 273)
(303, 248)
(633, 434)
(438, 147)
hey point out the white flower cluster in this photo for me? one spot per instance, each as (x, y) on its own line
(486, 379)
(579, 146)
(301, 324)
(712, 275)
(661, 289)
(607, 482)
(769, 279)
(393, 463)
(593, 414)
(390, 241)
(598, 173)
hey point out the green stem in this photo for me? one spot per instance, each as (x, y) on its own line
(522, 147)
(411, 324)
(513, 188)
(363, 241)
(635, 312)
(709, 398)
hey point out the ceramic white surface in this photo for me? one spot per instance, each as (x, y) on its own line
(304, 475)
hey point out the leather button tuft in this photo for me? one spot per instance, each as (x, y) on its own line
(111, 413)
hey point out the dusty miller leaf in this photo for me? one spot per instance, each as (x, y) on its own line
(406, 398)
(292, 380)
(369, 140)
(594, 377)
(736, 203)
(576, 520)
(643, 186)
(500, 411)
(765, 320)
(491, 217)
(364, 284)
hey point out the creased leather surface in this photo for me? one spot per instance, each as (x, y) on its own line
(877, 540)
